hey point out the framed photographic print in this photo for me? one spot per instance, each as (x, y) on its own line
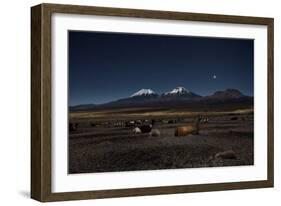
(132, 102)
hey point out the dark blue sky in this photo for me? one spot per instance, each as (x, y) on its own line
(108, 66)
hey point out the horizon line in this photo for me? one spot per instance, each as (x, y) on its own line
(157, 93)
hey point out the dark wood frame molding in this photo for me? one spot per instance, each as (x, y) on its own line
(41, 101)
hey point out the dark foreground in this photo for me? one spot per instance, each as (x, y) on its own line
(110, 148)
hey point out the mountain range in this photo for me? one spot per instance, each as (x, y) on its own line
(178, 96)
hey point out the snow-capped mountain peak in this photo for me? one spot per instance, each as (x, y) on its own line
(178, 90)
(144, 92)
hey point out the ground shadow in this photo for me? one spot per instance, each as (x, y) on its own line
(24, 193)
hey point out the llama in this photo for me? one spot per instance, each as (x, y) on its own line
(188, 129)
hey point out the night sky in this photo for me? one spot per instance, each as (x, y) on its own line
(108, 66)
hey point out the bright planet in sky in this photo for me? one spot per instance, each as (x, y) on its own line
(214, 76)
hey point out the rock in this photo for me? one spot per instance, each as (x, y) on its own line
(229, 154)
(155, 133)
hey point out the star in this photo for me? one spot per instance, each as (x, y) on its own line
(214, 76)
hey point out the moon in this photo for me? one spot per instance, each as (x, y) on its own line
(214, 76)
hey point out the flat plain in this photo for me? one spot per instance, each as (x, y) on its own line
(104, 140)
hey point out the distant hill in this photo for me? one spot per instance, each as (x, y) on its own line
(82, 107)
(227, 94)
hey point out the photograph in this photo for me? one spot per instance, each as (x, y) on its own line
(154, 101)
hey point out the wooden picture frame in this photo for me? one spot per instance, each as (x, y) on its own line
(41, 172)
